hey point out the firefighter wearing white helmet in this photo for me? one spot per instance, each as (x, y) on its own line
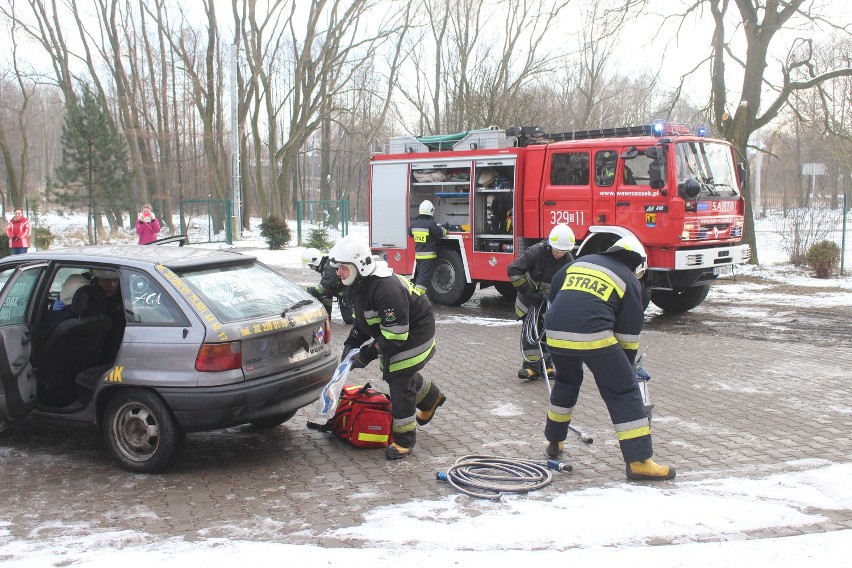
(531, 274)
(426, 233)
(398, 318)
(330, 286)
(595, 318)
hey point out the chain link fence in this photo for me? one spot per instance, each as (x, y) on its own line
(786, 228)
(206, 220)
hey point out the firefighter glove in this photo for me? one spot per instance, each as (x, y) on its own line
(347, 347)
(368, 355)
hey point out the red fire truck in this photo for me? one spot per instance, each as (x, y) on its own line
(503, 191)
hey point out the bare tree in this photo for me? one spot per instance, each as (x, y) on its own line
(475, 61)
(15, 109)
(337, 41)
(738, 111)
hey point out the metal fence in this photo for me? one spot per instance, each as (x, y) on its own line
(206, 220)
(786, 228)
(327, 213)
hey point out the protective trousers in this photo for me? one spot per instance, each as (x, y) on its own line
(409, 393)
(617, 385)
(423, 272)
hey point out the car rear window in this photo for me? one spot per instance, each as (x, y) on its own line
(244, 291)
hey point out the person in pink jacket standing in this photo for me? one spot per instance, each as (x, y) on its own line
(18, 231)
(147, 226)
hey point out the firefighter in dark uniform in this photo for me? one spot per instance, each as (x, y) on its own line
(398, 318)
(426, 233)
(531, 274)
(329, 286)
(596, 317)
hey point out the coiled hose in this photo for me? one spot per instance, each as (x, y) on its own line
(489, 477)
(532, 331)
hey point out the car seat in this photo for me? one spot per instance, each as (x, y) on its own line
(74, 346)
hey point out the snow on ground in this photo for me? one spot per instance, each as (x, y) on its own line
(645, 524)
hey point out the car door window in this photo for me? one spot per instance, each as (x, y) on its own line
(149, 304)
(20, 291)
(5, 275)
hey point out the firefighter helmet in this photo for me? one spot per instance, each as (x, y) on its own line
(312, 257)
(426, 208)
(354, 250)
(631, 251)
(561, 237)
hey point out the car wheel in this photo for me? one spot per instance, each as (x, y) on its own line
(141, 431)
(273, 421)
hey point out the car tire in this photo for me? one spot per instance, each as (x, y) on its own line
(273, 421)
(141, 431)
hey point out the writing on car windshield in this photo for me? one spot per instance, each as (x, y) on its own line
(244, 291)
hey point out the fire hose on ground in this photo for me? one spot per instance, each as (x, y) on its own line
(490, 477)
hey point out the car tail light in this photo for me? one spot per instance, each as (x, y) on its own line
(219, 357)
(327, 337)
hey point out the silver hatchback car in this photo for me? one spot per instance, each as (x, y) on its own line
(154, 342)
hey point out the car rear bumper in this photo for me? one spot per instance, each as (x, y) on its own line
(211, 408)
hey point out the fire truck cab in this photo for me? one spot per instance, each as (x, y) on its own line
(500, 192)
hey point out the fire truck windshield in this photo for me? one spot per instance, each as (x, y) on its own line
(711, 164)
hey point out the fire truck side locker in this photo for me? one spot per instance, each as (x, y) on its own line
(494, 213)
(389, 222)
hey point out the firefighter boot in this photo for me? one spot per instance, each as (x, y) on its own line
(424, 416)
(554, 449)
(648, 470)
(396, 452)
(528, 373)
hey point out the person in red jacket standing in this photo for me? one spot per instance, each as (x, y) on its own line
(147, 226)
(18, 231)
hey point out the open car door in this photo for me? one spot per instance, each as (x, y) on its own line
(17, 376)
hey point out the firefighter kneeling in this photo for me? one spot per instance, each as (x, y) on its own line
(596, 317)
(399, 319)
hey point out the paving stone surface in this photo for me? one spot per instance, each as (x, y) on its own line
(724, 407)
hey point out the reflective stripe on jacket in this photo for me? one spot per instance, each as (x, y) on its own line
(399, 317)
(426, 233)
(596, 306)
(534, 270)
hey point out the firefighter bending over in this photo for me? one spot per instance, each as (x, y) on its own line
(398, 317)
(531, 274)
(426, 233)
(596, 317)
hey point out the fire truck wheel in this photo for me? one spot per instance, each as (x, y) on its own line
(449, 286)
(679, 300)
(646, 293)
(506, 290)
